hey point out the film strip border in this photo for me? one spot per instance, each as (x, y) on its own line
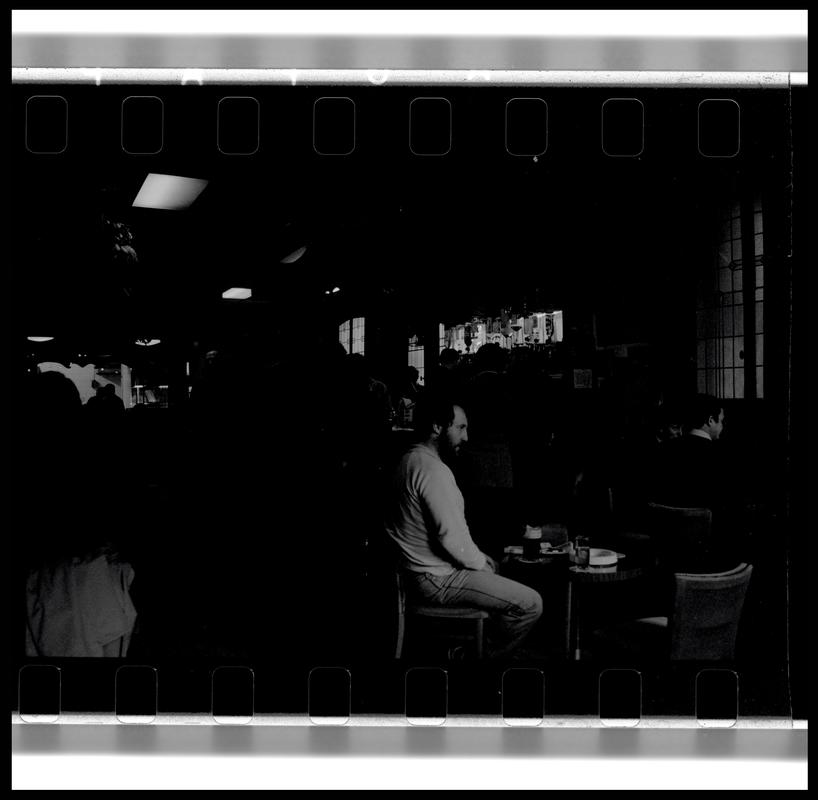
(427, 696)
(684, 695)
(434, 115)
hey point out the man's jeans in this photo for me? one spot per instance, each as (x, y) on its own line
(512, 607)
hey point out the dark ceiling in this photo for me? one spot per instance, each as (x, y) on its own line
(447, 237)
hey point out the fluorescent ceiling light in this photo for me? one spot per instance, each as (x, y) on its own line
(171, 192)
(294, 256)
(237, 293)
(40, 338)
(147, 342)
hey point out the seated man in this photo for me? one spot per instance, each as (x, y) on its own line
(441, 562)
(690, 473)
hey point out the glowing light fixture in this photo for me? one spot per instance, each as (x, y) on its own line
(147, 342)
(170, 192)
(336, 290)
(237, 293)
(40, 338)
(294, 256)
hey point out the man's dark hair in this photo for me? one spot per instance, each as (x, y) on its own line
(434, 408)
(699, 409)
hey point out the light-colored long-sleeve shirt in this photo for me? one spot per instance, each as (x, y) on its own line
(428, 519)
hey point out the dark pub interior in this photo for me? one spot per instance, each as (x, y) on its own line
(251, 319)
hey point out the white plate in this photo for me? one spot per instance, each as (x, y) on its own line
(602, 558)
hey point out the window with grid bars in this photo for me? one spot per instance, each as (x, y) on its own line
(721, 322)
(351, 334)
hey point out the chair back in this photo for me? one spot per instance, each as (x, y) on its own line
(706, 614)
(676, 532)
(688, 525)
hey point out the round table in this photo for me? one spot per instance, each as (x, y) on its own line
(629, 567)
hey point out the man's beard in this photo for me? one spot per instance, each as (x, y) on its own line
(448, 453)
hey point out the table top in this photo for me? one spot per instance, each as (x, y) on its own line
(627, 568)
(624, 570)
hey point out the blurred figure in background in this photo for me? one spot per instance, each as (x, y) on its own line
(406, 397)
(487, 472)
(447, 377)
(69, 576)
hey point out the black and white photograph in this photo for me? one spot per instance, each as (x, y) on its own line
(421, 395)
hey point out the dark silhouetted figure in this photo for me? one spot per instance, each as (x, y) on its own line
(691, 472)
(58, 487)
(406, 396)
(105, 405)
(447, 377)
(487, 470)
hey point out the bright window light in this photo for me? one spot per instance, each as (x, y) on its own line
(147, 342)
(237, 293)
(40, 338)
(170, 192)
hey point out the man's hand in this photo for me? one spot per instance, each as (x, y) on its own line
(491, 565)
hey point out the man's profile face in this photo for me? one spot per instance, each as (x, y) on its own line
(716, 425)
(457, 433)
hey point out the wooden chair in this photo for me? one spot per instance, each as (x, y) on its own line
(464, 616)
(703, 626)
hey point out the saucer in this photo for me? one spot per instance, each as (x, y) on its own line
(602, 558)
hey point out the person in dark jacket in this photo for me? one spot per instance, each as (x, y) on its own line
(691, 473)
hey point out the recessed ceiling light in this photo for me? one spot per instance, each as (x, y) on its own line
(40, 338)
(171, 192)
(237, 293)
(147, 342)
(294, 256)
